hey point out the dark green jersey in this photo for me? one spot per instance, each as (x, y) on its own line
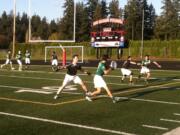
(146, 63)
(27, 55)
(101, 68)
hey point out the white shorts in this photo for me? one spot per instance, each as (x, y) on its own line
(54, 62)
(69, 78)
(99, 82)
(8, 61)
(19, 62)
(126, 72)
(27, 60)
(144, 70)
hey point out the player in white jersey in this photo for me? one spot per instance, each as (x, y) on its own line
(145, 67)
(8, 60)
(27, 59)
(54, 61)
(19, 60)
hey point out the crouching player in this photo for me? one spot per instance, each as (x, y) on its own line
(144, 68)
(99, 82)
(126, 71)
(71, 75)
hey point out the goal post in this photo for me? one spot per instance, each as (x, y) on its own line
(69, 52)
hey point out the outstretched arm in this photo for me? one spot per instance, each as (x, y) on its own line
(158, 65)
(134, 63)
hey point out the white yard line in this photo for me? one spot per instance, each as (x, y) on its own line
(156, 101)
(170, 120)
(40, 78)
(76, 93)
(177, 114)
(155, 127)
(150, 87)
(46, 72)
(66, 124)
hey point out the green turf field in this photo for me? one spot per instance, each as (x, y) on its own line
(27, 106)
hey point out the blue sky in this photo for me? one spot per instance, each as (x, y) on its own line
(52, 8)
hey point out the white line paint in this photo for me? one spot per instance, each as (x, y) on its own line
(63, 73)
(155, 127)
(40, 78)
(123, 98)
(66, 124)
(176, 79)
(177, 114)
(165, 87)
(170, 120)
(40, 90)
(156, 101)
(34, 91)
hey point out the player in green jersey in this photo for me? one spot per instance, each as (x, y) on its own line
(145, 67)
(99, 83)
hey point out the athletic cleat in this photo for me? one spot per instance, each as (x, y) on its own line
(88, 93)
(56, 97)
(88, 98)
(116, 99)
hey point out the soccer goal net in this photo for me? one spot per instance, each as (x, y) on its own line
(69, 52)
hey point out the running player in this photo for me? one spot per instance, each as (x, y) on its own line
(27, 59)
(126, 71)
(54, 61)
(19, 60)
(144, 67)
(8, 60)
(71, 75)
(99, 82)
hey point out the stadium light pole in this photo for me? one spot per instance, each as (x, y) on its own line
(14, 29)
(142, 40)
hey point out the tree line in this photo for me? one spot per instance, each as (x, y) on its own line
(163, 27)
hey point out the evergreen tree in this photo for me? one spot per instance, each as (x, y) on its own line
(66, 23)
(53, 27)
(114, 10)
(133, 17)
(167, 25)
(149, 19)
(35, 23)
(91, 6)
(82, 29)
(43, 29)
(104, 9)
(98, 12)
